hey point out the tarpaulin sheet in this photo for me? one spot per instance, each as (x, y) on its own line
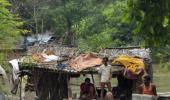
(85, 61)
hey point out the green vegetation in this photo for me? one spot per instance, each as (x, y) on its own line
(9, 33)
(95, 24)
(153, 25)
(10, 29)
(9, 25)
(92, 25)
(152, 19)
(161, 78)
(89, 24)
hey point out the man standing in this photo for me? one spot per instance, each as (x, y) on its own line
(105, 75)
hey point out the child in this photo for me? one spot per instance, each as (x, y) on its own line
(105, 75)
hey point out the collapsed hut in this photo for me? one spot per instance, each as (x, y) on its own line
(51, 79)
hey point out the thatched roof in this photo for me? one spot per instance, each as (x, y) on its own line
(62, 51)
(68, 52)
(55, 68)
(74, 52)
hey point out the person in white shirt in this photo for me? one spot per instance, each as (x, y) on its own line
(105, 75)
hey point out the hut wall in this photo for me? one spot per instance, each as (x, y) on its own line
(50, 85)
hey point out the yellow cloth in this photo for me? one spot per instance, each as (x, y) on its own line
(132, 64)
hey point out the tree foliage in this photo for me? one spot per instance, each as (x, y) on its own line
(88, 24)
(128, 22)
(9, 25)
(9, 33)
(111, 18)
(153, 25)
(152, 18)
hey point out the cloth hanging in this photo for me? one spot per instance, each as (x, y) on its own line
(2, 72)
(15, 75)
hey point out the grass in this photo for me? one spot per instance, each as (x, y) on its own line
(161, 78)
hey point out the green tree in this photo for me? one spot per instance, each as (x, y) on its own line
(109, 19)
(9, 26)
(9, 33)
(153, 25)
(83, 23)
(152, 18)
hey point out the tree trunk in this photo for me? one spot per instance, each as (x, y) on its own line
(70, 35)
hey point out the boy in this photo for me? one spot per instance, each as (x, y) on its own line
(105, 75)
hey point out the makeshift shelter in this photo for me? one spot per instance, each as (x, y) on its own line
(51, 79)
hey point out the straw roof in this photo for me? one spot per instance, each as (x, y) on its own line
(61, 50)
(66, 53)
